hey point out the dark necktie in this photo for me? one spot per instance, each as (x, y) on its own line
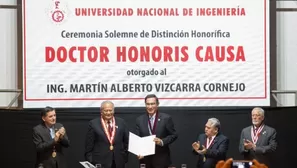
(109, 127)
(209, 140)
(255, 130)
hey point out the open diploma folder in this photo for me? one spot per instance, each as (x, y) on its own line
(87, 164)
(142, 146)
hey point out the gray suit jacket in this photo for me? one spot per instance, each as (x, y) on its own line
(265, 145)
(44, 146)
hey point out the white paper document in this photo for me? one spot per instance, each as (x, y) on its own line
(142, 146)
(87, 164)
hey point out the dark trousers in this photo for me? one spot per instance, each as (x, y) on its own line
(113, 165)
(149, 163)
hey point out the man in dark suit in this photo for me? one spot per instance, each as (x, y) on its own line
(259, 140)
(212, 146)
(107, 139)
(161, 125)
(49, 138)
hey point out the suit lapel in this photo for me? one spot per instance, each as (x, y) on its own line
(48, 133)
(101, 129)
(214, 141)
(116, 129)
(159, 123)
(145, 125)
(203, 141)
(249, 134)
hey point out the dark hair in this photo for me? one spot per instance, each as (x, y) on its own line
(151, 96)
(46, 110)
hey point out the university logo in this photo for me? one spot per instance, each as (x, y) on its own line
(58, 12)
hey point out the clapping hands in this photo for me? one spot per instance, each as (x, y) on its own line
(196, 146)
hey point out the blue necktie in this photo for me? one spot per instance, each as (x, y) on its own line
(52, 133)
(152, 121)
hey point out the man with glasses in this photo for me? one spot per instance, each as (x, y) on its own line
(161, 125)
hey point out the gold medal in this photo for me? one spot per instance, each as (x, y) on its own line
(204, 159)
(54, 154)
(111, 147)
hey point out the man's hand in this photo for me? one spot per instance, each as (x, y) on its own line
(62, 132)
(140, 157)
(196, 146)
(256, 164)
(57, 136)
(158, 141)
(248, 144)
(223, 164)
(203, 151)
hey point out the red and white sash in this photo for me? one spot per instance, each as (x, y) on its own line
(109, 137)
(255, 135)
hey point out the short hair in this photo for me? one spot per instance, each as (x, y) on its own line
(215, 123)
(46, 110)
(106, 102)
(151, 96)
(260, 110)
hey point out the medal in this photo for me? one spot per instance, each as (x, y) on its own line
(109, 137)
(54, 154)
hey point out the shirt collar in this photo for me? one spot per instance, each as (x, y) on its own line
(152, 117)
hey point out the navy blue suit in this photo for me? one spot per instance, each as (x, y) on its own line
(97, 145)
(165, 131)
(217, 151)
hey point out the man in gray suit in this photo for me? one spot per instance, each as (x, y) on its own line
(50, 139)
(259, 140)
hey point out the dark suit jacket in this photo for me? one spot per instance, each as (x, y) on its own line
(44, 145)
(265, 145)
(217, 151)
(97, 145)
(164, 130)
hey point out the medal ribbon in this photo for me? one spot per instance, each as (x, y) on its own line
(153, 129)
(255, 135)
(109, 137)
(209, 142)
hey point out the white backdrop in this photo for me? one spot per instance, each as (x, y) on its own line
(8, 52)
(8, 2)
(183, 80)
(286, 52)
